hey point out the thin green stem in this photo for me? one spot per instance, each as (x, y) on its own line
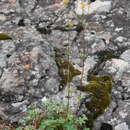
(68, 94)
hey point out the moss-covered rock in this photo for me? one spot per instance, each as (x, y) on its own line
(99, 89)
(66, 71)
(4, 36)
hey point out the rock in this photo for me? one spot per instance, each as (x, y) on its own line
(89, 63)
(95, 47)
(127, 118)
(118, 29)
(52, 85)
(125, 56)
(120, 39)
(28, 69)
(46, 3)
(122, 126)
(7, 48)
(2, 114)
(106, 126)
(116, 67)
(2, 17)
(98, 6)
(73, 99)
(8, 7)
(10, 81)
(27, 5)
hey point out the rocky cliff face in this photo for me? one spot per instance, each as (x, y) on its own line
(41, 31)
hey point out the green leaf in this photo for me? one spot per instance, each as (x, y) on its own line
(54, 117)
(68, 126)
(81, 120)
(83, 57)
(84, 117)
(86, 129)
(22, 121)
(51, 123)
(4, 36)
(70, 117)
(20, 128)
(29, 127)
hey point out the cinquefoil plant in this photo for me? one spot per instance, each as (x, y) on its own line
(53, 117)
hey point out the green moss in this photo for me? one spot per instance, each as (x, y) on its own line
(99, 89)
(4, 36)
(66, 71)
(105, 81)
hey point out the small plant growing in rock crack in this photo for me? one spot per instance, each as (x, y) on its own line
(68, 53)
(53, 117)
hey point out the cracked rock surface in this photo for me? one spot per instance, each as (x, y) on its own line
(40, 32)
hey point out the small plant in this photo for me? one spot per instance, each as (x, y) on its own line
(53, 117)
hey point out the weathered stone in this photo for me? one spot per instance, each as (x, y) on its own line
(116, 67)
(98, 42)
(96, 6)
(122, 126)
(126, 56)
(2, 17)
